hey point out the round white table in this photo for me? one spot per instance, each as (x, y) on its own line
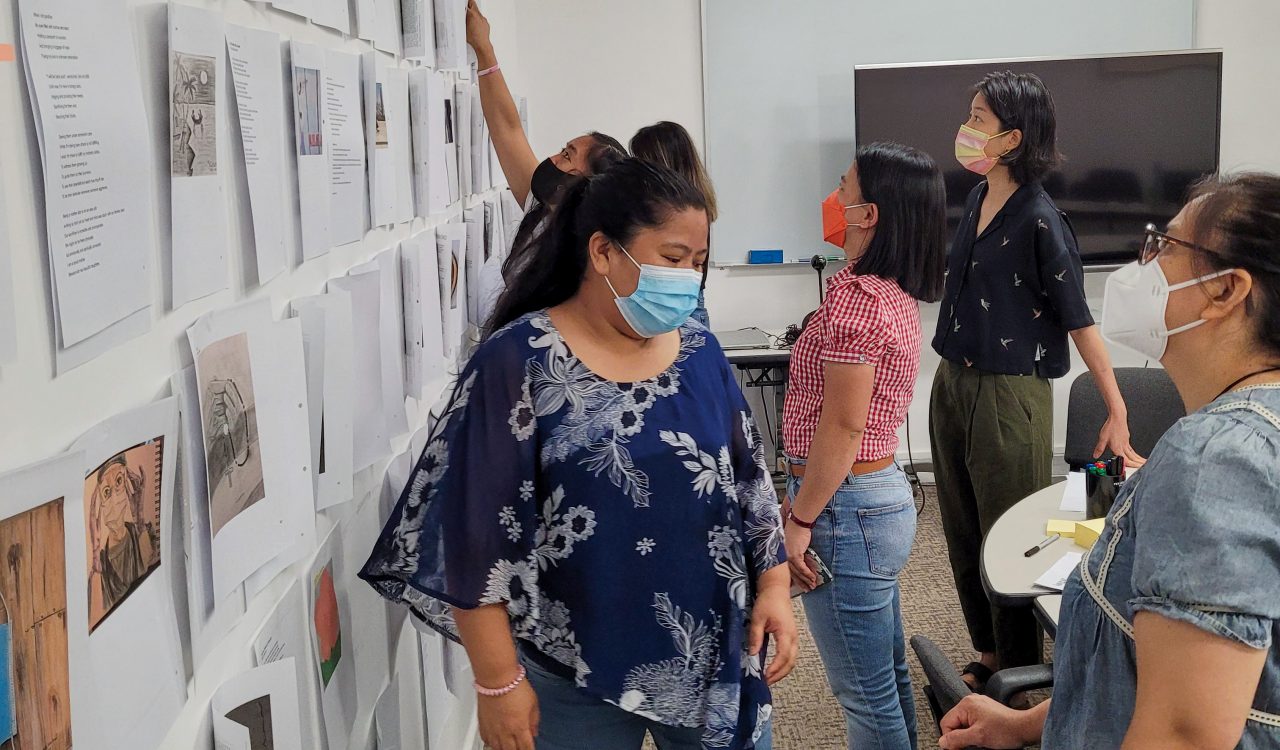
(1007, 574)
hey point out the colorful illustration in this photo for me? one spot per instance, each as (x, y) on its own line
(229, 415)
(35, 687)
(328, 628)
(192, 117)
(380, 121)
(122, 525)
(256, 717)
(306, 111)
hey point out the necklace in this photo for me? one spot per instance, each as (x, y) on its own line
(1243, 378)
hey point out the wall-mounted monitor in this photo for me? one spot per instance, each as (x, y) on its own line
(1135, 130)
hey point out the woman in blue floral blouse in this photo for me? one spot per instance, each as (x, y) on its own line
(598, 489)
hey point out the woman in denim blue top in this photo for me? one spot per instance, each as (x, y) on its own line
(1168, 631)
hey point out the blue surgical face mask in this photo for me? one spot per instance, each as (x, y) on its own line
(663, 300)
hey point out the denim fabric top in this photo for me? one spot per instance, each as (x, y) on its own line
(623, 525)
(1194, 536)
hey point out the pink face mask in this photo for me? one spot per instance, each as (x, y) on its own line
(971, 149)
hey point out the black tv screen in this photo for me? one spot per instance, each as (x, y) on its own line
(1135, 131)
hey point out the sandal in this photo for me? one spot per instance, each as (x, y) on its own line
(981, 674)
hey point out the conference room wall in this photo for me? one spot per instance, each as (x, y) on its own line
(627, 64)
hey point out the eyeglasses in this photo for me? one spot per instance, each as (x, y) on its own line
(1155, 242)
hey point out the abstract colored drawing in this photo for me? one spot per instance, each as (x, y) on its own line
(380, 120)
(122, 524)
(193, 131)
(256, 717)
(327, 626)
(306, 107)
(229, 415)
(33, 606)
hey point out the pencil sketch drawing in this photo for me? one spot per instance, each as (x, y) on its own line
(228, 412)
(192, 117)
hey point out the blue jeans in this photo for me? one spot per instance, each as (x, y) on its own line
(571, 719)
(864, 536)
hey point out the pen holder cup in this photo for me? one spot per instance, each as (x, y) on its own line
(1100, 493)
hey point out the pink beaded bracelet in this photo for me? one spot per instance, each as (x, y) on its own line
(491, 693)
(487, 71)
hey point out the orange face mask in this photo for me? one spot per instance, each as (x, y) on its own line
(834, 223)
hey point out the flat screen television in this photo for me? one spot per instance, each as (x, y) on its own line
(1135, 130)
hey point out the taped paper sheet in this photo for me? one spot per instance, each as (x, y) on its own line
(259, 709)
(309, 130)
(122, 628)
(347, 199)
(254, 60)
(35, 501)
(197, 151)
(327, 342)
(252, 391)
(95, 157)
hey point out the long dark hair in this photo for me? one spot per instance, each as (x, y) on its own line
(1021, 101)
(669, 144)
(630, 195)
(605, 150)
(910, 243)
(1238, 218)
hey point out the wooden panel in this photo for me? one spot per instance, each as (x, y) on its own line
(33, 582)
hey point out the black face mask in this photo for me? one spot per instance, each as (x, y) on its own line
(548, 182)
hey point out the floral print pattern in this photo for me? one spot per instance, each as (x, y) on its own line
(597, 513)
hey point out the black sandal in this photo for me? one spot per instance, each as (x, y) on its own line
(981, 673)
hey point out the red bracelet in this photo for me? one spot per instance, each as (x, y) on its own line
(499, 692)
(791, 516)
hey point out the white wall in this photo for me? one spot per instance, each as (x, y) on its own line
(41, 415)
(627, 64)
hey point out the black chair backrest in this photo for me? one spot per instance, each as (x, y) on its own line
(1152, 400)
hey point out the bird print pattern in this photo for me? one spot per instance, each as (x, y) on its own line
(1003, 275)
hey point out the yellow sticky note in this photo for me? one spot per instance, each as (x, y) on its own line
(1065, 528)
(1087, 532)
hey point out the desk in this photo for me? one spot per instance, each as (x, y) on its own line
(1007, 575)
(764, 368)
(1047, 608)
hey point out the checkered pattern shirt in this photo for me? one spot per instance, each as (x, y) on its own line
(864, 320)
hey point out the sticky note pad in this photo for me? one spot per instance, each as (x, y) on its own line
(1065, 528)
(1087, 532)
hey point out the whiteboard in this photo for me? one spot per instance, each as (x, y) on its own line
(778, 88)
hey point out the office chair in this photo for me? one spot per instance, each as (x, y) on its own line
(944, 687)
(1153, 402)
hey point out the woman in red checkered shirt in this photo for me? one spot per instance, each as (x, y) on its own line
(851, 514)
